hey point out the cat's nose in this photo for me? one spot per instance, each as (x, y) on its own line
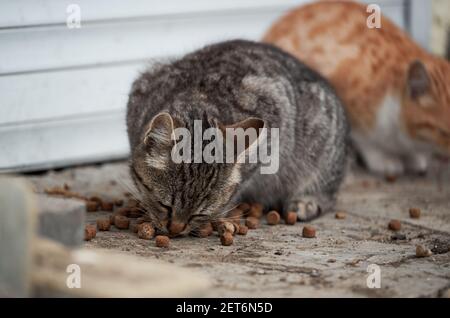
(175, 228)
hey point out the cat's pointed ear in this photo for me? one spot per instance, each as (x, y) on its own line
(244, 134)
(160, 131)
(418, 80)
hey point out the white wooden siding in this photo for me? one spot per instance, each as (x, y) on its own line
(63, 91)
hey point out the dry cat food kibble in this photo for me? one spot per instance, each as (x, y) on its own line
(121, 222)
(134, 213)
(103, 224)
(162, 241)
(414, 213)
(252, 223)
(235, 215)
(119, 212)
(176, 228)
(256, 210)
(96, 199)
(205, 230)
(64, 192)
(273, 218)
(122, 211)
(242, 230)
(106, 206)
(395, 225)
(226, 227)
(390, 178)
(145, 231)
(226, 239)
(92, 206)
(422, 251)
(89, 232)
(340, 215)
(309, 231)
(290, 218)
(118, 202)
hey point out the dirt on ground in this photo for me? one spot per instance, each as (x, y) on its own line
(276, 261)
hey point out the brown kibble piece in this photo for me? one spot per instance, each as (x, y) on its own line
(119, 212)
(422, 251)
(340, 215)
(162, 241)
(290, 218)
(89, 232)
(309, 231)
(252, 223)
(106, 206)
(176, 228)
(134, 213)
(121, 222)
(103, 224)
(55, 191)
(226, 227)
(242, 230)
(395, 225)
(235, 215)
(256, 210)
(92, 206)
(145, 231)
(226, 239)
(64, 192)
(414, 213)
(122, 211)
(273, 218)
(390, 178)
(205, 230)
(96, 199)
(118, 202)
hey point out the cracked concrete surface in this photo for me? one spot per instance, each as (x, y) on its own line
(276, 261)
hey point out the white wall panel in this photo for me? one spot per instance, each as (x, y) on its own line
(63, 91)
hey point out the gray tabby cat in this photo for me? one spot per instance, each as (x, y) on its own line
(235, 84)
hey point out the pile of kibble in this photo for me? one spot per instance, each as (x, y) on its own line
(130, 216)
(238, 221)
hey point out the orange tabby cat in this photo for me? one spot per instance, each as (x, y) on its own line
(397, 95)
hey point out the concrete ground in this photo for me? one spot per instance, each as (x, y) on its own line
(276, 261)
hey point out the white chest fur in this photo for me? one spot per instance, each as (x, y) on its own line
(387, 149)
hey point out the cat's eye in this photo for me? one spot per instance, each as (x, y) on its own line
(197, 216)
(166, 207)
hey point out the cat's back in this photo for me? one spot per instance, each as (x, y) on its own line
(334, 39)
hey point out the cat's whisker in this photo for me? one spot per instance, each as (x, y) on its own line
(130, 188)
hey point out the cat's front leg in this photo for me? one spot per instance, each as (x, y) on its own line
(380, 162)
(417, 163)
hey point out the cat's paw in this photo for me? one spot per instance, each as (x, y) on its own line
(307, 209)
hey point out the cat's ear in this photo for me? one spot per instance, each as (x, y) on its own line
(160, 131)
(158, 141)
(243, 135)
(418, 80)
